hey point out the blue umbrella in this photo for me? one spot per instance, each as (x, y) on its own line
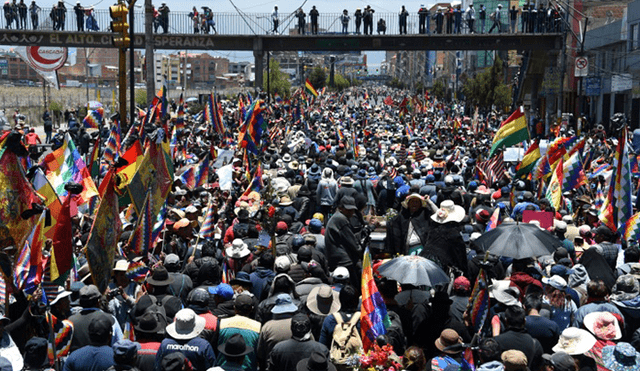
(414, 270)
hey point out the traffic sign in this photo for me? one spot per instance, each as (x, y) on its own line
(592, 86)
(46, 58)
(582, 66)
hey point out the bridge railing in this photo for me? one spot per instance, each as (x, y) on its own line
(180, 22)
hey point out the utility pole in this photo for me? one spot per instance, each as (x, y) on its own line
(148, 50)
(132, 69)
(332, 71)
(86, 72)
(119, 24)
(184, 72)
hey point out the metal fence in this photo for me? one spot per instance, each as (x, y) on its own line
(180, 22)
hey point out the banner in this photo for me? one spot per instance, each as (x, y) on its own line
(44, 60)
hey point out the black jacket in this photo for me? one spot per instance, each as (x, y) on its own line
(397, 230)
(341, 244)
(444, 245)
(520, 340)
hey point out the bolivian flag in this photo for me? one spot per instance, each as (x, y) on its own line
(308, 87)
(528, 160)
(512, 131)
(554, 190)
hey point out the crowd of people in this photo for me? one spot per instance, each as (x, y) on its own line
(258, 266)
(446, 20)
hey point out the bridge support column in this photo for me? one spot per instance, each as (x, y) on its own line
(258, 54)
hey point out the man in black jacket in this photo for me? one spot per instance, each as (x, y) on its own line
(286, 354)
(314, 20)
(79, 11)
(342, 246)
(517, 338)
(407, 232)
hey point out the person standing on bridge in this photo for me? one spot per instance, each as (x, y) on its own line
(368, 20)
(358, 17)
(302, 20)
(91, 23)
(470, 16)
(496, 17)
(33, 10)
(344, 20)
(404, 14)
(482, 15)
(513, 18)
(61, 15)
(457, 20)
(314, 20)
(423, 20)
(164, 17)
(525, 18)
(8, 14)
(22, 12)
(195, 18)
(439, 18)
(79, 10)
(448, 18)
(275, 19)
(542, 16)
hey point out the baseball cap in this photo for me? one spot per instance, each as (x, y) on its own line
(244, 301)
(125, 349)
(348, 202)
(223, 290)
(340, 273)
(282, 264)
(90, 292)
(171, 259)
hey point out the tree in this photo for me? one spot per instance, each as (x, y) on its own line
(55, 106)
(438, 90)
(141, 97)
(339, 81)
(318, 78)
(487, 88)
(395, 83)
(278, 81)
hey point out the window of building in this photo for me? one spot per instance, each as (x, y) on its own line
(633, 36)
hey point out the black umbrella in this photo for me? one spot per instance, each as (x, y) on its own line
(414, 270)
(518, 241)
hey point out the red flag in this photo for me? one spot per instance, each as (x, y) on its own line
(62, 253)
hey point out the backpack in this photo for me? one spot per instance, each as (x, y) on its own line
(492, 16)
(346, 340)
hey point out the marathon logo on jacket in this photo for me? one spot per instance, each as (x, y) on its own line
(185, 347)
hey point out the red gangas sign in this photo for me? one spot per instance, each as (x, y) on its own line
(46, 58)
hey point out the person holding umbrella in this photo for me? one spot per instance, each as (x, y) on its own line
(407, 232)
(444, 244)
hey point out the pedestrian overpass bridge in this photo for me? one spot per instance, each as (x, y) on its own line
(261, 44)
(264, 43)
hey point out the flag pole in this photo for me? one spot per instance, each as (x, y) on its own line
(52, 336)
